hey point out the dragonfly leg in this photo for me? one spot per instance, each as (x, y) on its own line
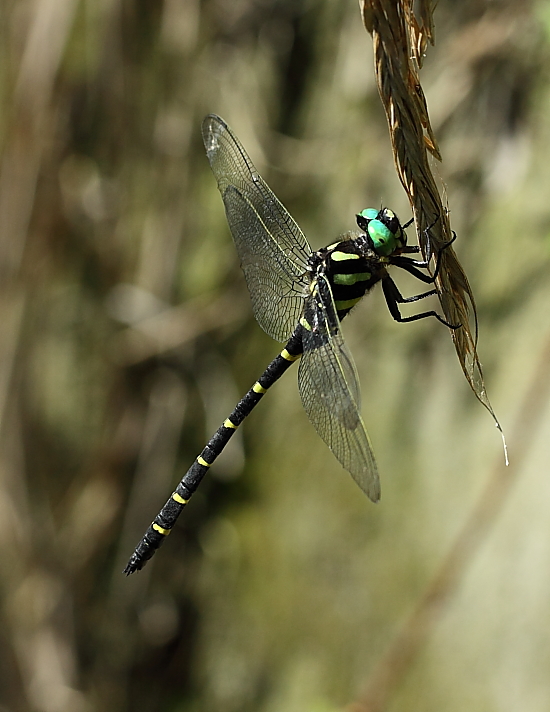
(394, 297)
(409, 249)
(414, 266)
(440, 252)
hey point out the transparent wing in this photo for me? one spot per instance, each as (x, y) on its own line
(329, 389)
(273, 250)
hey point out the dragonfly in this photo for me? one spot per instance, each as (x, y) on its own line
(299, 297)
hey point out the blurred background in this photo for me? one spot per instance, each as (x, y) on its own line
(126, 337)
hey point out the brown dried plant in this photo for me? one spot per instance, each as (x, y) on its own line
(400, 37)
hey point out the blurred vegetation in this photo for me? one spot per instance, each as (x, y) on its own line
(127, 336)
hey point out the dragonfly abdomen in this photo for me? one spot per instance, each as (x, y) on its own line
(164, 521)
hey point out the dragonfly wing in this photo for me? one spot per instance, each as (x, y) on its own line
(276, 289)
(329, 389)
(273, 250)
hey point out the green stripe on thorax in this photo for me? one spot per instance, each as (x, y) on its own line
(347, 303)
(351, 279)
(338, 256)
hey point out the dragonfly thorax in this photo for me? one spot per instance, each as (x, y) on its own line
(351, 268)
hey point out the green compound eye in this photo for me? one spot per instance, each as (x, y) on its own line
(383, 239)
(369, 213)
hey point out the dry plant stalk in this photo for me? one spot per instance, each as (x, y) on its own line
(400, 38)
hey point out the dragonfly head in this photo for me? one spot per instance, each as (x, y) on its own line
(383, 229)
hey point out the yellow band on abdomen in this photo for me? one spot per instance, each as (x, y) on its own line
(177, 498)
(160, 530)
(288, 356)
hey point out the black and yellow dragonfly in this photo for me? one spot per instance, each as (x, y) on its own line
(299, 297)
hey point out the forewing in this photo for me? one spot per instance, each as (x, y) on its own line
(329, 389)
(273, 250)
